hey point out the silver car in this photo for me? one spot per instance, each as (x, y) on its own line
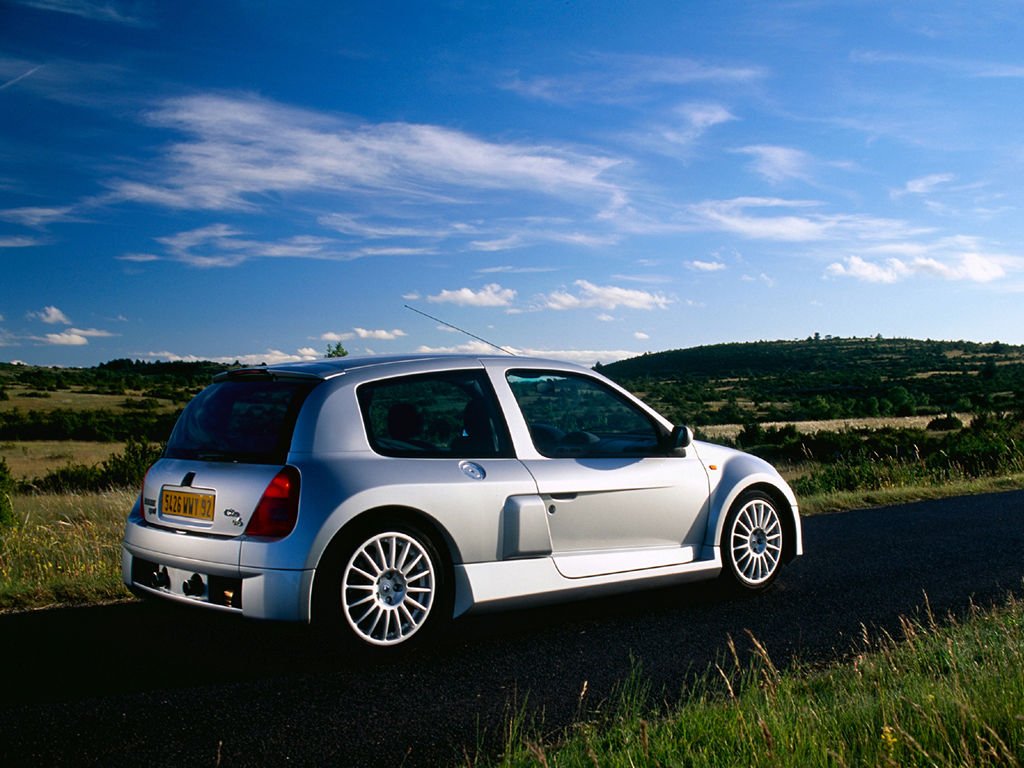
(383, 496)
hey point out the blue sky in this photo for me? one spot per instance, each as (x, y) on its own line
(585, 180)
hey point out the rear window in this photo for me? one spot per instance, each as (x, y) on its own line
(243, 421)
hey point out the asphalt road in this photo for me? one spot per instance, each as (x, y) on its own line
(135, 684)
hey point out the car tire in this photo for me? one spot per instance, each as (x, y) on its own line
(384, 588)
(752, 542)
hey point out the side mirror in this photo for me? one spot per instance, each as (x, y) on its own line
(680, 437)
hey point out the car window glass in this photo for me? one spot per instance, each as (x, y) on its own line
(247, 421)
(442, 415)
(571, 415)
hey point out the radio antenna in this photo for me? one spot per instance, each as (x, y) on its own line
(462, 330)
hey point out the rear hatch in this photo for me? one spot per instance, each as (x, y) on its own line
(227, 447)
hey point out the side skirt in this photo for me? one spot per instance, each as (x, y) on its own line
(534, 581)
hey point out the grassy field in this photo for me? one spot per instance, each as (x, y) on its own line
(28, 459)
(947, 693)
(73, 399)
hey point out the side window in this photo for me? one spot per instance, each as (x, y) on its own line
(439, 415)
(572, 416)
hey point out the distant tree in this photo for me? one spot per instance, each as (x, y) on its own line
(336, 350)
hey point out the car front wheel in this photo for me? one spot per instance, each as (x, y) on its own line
(752, 542)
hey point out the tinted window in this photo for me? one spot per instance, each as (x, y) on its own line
(442, 415)
(570, 416)
(246, 421)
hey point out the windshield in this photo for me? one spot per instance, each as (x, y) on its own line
(239, 421)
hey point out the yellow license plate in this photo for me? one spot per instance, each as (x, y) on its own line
(198, 506)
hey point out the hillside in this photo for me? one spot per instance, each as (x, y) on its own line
(826, 378)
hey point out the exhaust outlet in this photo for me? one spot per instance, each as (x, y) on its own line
(160, 579)
(194, 587)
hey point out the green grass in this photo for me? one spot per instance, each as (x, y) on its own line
(64, 550)
(941, 695)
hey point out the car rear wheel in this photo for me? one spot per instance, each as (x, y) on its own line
(387, 587)
(752, 542)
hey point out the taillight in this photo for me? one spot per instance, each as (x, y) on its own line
(278, 508)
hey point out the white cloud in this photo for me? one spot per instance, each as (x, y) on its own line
(491, 295)
(706, 266)
(332, 336)
(270, 357)
(66, 339)
(605, 297)
(965, 267)
(91, 333)
(138, 258)
(380, 335)
(640, 336)
(51, 316)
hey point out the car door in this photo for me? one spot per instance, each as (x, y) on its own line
(617, 498)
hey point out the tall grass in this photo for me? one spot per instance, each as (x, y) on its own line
(950, 695)
(63, 549)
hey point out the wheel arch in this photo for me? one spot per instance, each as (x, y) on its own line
(380, 518)
(726, 495)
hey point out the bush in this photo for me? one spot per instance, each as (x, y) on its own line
(122, 470)
(7, 519)
(946, 423)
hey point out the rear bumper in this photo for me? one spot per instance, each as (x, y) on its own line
(165, 564)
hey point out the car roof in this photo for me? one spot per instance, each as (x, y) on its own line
(329, 368)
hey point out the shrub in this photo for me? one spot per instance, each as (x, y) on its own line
(122, 470)
(946, 423)
(7, 519)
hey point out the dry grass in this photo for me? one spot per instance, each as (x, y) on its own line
(66, 549)
(28, 459)
(730, 431)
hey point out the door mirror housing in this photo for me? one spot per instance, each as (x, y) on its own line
(678, 439)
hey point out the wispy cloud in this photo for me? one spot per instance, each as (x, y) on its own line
(102, 11)
(237, 148)
(19, 241)
(963, 67)
(222, 245)
(626, 79)
(756, 218)
(37, 216)
(923, 185)
(778, 164)
(18, 78)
